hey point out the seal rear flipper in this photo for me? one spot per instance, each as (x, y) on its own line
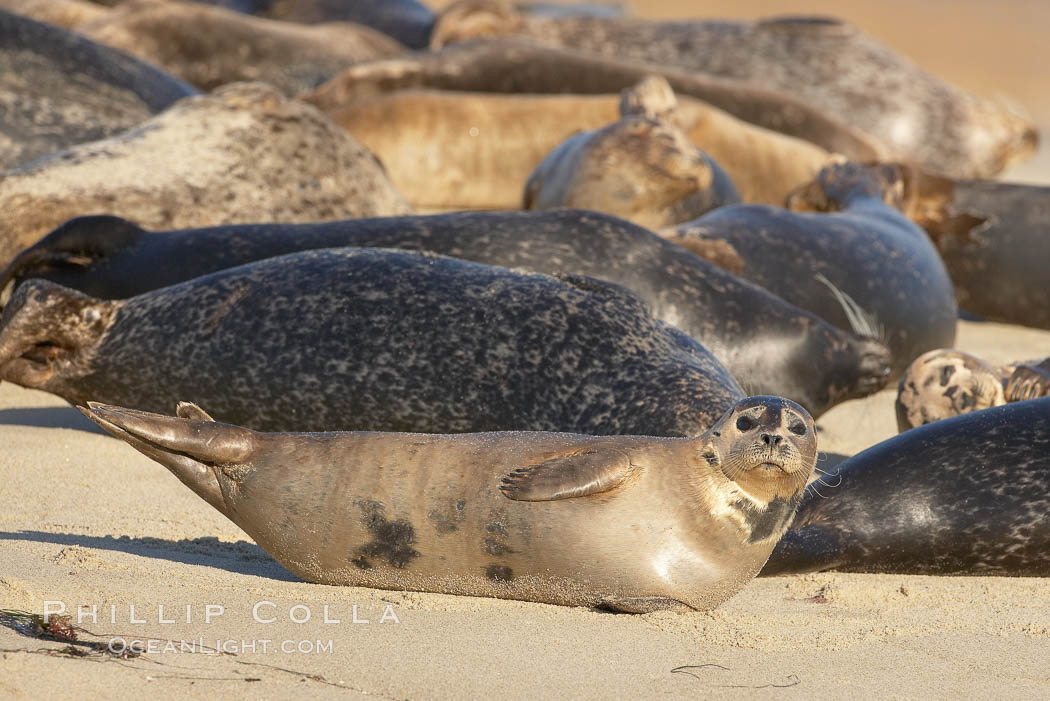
(78, 243)
(581, 475)
(641, 604)
(195, 475)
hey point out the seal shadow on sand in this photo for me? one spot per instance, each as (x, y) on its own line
(242, 557)
(48, 417)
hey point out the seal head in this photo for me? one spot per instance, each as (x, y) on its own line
(943, 383)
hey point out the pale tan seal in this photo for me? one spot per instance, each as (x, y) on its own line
(60, 13)
(642, 167)
(629, 523)
(946, 382)
(243, 153)
(472, 150)
(212, 46)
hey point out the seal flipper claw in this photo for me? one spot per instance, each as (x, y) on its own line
(567, 477)
(195, 475)
(205, 441)
(641, 604)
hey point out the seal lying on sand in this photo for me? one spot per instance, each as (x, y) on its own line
(367, 339)
(995, 241)
(59, 13)
(407, 21)
(769, 345)
(945, 382)
(642, 168)
(58, 89)
(210, 47)
(967, 495)
(516, 66)
(825, 62)
(419, 136)
(242, 153)
(632, 524)
(858, 245)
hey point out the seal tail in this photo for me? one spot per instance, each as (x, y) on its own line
(188, 444)
(862, 322)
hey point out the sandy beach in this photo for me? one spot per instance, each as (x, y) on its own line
(91, 526)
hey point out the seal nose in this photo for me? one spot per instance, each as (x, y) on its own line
(771, 439)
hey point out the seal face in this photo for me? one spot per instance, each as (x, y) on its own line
(628, 523)
(944, 383)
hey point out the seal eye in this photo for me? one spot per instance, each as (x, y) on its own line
(745, 423)
(798, 429)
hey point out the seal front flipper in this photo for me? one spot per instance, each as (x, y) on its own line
(1029, 381)
(568, 477)
(641, 604)
(188, 446)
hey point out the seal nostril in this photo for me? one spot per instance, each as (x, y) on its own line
(771, 439)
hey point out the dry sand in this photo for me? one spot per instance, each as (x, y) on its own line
(87, 521)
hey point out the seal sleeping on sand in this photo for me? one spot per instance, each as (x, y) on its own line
(967, 495)
(769, 345)
(367, 339)
(627, 523)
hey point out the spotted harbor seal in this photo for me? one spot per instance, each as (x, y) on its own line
(510, 65)
(642, 168)
(769, 345)
(993, 238)
(633, 524)
(823, 61)
(58, 89)
(945, 382)
(211, 46)
(407, 21)
(369, 339)
(967, 495)
(459, 150)
(241, 153)
(853, 243)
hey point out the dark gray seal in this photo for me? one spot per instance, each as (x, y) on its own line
(368, 339)
(852, 243)
(514, 66)
(966, 495)
(768, 345)
(635, 524)
(831, 65)
(210, 47)
(994, 238)
(407, 21)
(58, 89)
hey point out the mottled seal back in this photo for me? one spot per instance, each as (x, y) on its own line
(58, 89)
(964, 496)
(767, 344)
(367, 339)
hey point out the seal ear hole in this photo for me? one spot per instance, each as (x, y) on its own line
(745, 423)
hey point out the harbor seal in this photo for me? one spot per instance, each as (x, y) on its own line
(369, 339)
(993, 237)
(633, 524)
(58, 89)
(642, 168)
(946, 382)
(458, 150)
(768, 344)
(66, 14)
(825, 62)
(407, 21)
(210, 46)
(851, 242)
(241, 153)
(963, 496)
(515, 66)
